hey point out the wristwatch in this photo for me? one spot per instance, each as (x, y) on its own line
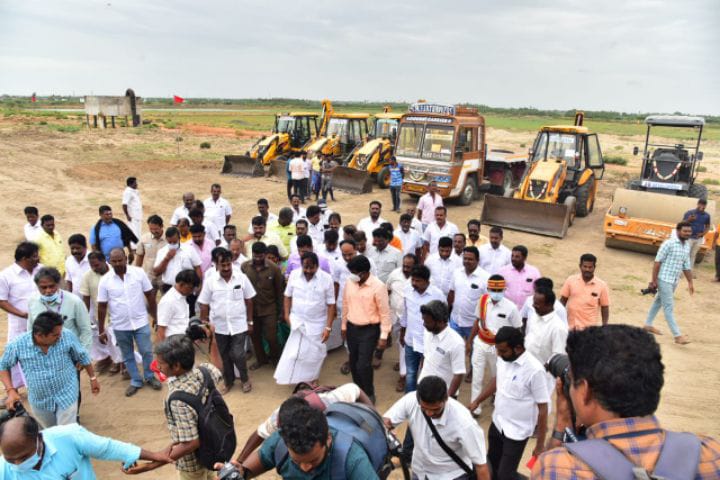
(558, 435)
(329, 329)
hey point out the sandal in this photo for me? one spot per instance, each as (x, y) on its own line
(345, 368)
(247, 387)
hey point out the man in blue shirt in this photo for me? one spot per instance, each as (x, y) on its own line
(109, 233)
(397, 172)
(308, 447)
(60, 452)
(699, 219)
(48, 356)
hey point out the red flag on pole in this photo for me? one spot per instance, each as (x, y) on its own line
(177, 99)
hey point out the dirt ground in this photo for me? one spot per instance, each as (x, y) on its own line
(70, 175)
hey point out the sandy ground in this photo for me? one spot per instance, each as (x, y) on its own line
(70, 175)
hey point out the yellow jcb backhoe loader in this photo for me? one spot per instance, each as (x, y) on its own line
(374, 155)
(559, 183)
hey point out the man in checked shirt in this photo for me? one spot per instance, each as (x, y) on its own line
(616, 374)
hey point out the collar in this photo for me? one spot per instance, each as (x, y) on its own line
(520, 361)
(442, 335)
(522, 270)
(50, 451)
(619, 426)
(473, 273)
(548, 317)
(17, 269)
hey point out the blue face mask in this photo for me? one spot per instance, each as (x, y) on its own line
(29, 462)
(496, 296)
(51, 298)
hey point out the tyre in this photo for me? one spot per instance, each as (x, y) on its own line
(571, 203)
(634, 184)
(508, 180)
(469, 192)
(383, 177)
(697, 191)
(585, 199)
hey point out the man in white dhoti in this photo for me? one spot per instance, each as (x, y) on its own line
(132, 207)
(16, 288)
(309, 309)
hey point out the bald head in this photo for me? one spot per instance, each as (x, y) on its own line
(19, 438)
(237, 247)
(188, 199)
(118, 260)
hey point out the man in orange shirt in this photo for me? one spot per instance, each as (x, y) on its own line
(585, 295)
(365, 321)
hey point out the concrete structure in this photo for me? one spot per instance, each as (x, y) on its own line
(104, 107)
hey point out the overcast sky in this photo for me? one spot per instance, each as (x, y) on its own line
(637, 55)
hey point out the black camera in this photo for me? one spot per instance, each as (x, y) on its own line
(195, 330)
(229, 472)
(559, 367)
(650, 290)
(18, 410)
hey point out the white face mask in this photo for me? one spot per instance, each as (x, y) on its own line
(496, 296)
(353, 277)
(173, 246)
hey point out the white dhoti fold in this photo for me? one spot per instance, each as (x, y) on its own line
(16, 327)
(301, 359)
(136, 226)
(110, 349)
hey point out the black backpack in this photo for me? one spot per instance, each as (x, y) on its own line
(215, 423)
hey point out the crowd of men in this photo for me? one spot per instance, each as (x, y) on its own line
(289, 287)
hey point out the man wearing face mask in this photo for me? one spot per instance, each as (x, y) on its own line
(60, 452)
(53, 398)
(172, 259)
(493, 312)
(521, 404)
(365, 321)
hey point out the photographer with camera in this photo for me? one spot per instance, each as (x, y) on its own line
(610, 382)
(672, 259)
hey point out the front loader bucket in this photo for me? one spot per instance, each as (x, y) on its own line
(242, 165)
(352, 180)
(552, 219)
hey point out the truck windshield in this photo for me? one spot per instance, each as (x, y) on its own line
(438, 143)
(337, 126)
(386, 128)
(410, 140)
(285, 124)
(555, 146)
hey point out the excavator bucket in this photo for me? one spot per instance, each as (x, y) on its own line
(551, 219)
(242, 165)
(641, 221)
(352, 180)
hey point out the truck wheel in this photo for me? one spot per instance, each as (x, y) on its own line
(697, 191)
(383, 178)
(585, 200)
(508, 180)
(468, 193)
(634, 184)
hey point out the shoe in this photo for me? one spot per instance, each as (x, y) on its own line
(247, 387)
(114, 370)
(131, 390)
(154, 383)
(652, 330)
(682, 340)
(400, 385)
(225, 388)
(345, 368)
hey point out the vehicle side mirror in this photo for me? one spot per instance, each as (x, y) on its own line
(699, 156)
(635, 150)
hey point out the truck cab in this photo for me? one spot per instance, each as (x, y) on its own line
(444, 144)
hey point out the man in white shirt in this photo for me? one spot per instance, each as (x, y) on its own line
(123, 291)
(396, 283)
(226, 301)
(217, 209)
(229, 234)
(492, 312)
(369, 224)
(494, 255)
(132, 206)
(521, 403)
(386, 257)
(183, 211)
(263, 207)
(173, 314)
(436, 230)
(416, 224)
(411, 239)
(76, 264)
(237, 249)
(316, 228)
(309, 309)
(17, 286)
(331, 250)
(467, 285)
(301, 229)
(427, 204)
(32, 228)
(412, 331)
(444, 348)
(197, 217)
(297, 208)
(442, 265)
(173, 258)
(545, 332)
(297, 175)
(453, 423)
(528, 309)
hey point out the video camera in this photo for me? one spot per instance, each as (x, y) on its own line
(195, 330)
(18, 410)
(650, 290)
(229, 472)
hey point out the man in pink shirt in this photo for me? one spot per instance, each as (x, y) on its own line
(519, 276)
(427, 204)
